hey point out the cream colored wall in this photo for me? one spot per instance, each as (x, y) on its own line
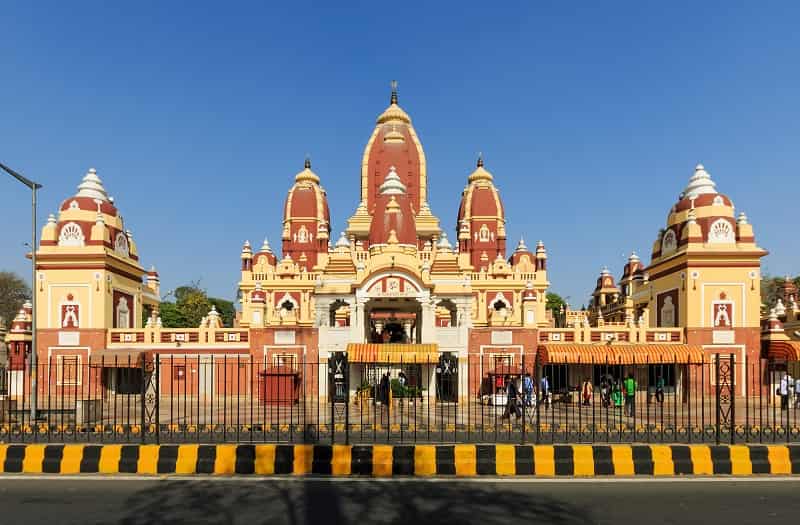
(739, 287)
(91, 289)
(697, 294)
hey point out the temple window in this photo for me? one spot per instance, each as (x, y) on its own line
(721, 232)
(71, 235)
(121, 244)
(669, 243)
(123, 313)
(484, 233)
(302, 235)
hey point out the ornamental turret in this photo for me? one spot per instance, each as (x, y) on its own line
(306, 220)
(481, 222)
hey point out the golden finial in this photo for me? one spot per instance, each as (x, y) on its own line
(480, 159)
(393, 100)
(307, 164)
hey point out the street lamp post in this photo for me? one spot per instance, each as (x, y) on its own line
(34, 360)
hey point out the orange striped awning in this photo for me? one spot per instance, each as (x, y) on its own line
(784, 350)
(392, 353)
(620, 354)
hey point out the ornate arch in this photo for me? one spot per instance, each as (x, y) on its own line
(71, 235)
(721, 232)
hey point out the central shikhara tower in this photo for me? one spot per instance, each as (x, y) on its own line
(393, 275)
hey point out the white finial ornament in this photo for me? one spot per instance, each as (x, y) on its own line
(343, 242)
(742, 218)
(92, 187)
(392, 185)
(444, 244)
(700, 183)
(521, 246)
(265, 247)
(780, 309)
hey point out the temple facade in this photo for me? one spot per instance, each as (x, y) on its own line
(394, 289)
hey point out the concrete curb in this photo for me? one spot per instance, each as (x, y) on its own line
(404, 460)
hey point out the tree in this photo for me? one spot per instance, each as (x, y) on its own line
(555, 302)
(191, 305)
(772, 289)
(14, 291)
(226, 310)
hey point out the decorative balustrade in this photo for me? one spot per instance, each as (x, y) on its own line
(158, 337)
(271, 276)
(617, 332)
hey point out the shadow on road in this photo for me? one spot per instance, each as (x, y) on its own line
(315, 502)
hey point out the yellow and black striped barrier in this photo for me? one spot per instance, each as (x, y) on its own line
(404, 460)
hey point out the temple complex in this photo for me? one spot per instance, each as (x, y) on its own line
(391, 290)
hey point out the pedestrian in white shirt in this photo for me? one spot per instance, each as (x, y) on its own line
(783, 391)
(797, 392)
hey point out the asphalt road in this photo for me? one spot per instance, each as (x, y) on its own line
(200, 501)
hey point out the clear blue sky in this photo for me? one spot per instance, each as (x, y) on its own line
(591, 117)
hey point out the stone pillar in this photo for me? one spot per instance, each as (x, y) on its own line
(428, 320)
(463, 323)
(357, 320)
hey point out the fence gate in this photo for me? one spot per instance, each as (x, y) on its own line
(339, 391)
(447, 378)
(150, 426)
(725, 374)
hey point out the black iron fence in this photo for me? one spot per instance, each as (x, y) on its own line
(503, 399)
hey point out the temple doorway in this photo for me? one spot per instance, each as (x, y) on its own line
(393, 320)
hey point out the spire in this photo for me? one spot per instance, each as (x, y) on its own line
(307, 174)
(265, 247)
(700, 183)
(521, 246)
(394, 113)
(480, 173)
(91, 186)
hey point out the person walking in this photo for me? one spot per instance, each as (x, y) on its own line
(660, 389)
(511, 400)
(783, 391)
(587, 389)
(629, 386)
(605, 392)
(527, 389)
(544, 390)
(616, 394)
(797, 392)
